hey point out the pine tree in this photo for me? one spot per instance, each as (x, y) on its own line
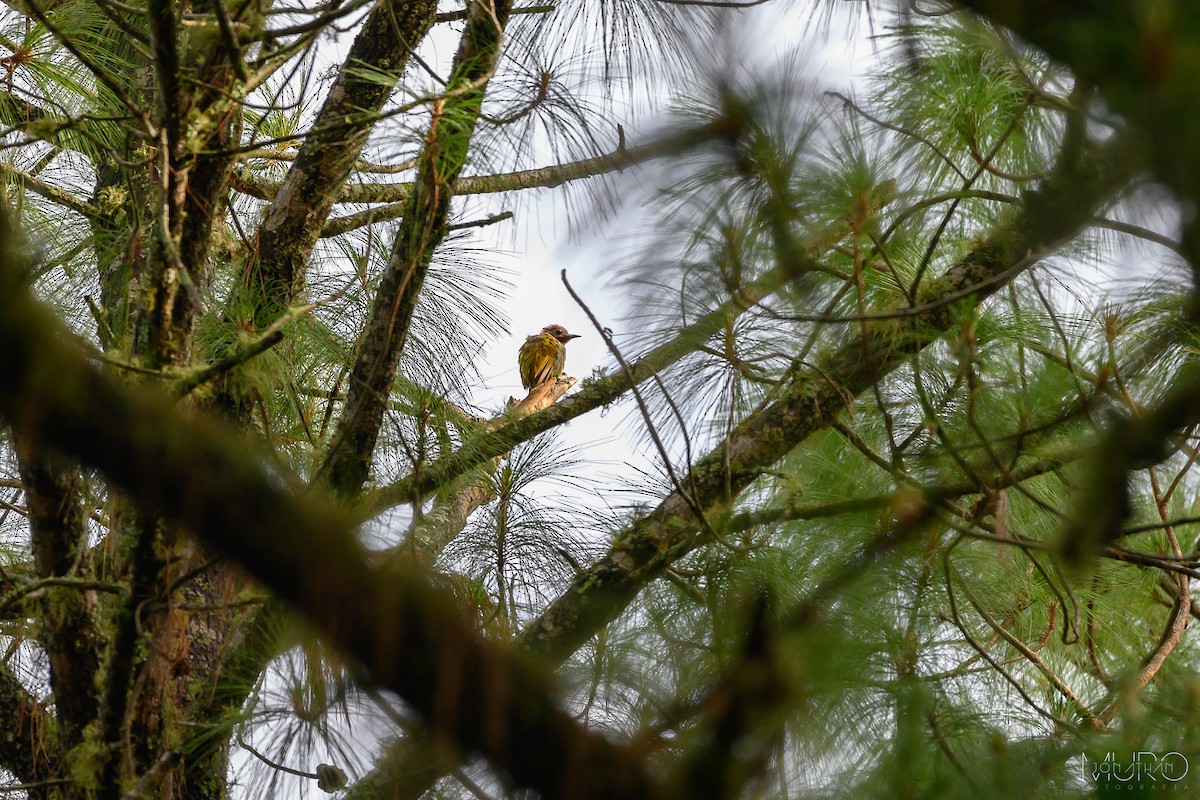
(904, 374)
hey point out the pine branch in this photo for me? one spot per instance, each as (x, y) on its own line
(396, 195)
(451, 127)
(453, 16)
(408, 636)
(406, 769)
(537, 178)
(300, 208)
(928, 495)
(243, 354)
(1144, 89)
(147, 786)
(1050, 216)
(164, 38)
(196, 106)
(455, 503)
(546, 177)
(39, 10)
(51, 193)
(505, 433)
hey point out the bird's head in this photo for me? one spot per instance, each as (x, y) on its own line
(560, 333)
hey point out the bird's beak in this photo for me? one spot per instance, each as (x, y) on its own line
(572, 336)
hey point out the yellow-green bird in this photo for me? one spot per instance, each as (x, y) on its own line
(543, 356)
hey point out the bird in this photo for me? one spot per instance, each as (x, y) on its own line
(543, 355)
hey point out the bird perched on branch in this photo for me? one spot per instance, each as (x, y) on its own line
(543, 356)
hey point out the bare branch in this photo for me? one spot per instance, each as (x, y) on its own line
(397, 194)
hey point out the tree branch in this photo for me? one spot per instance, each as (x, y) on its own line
(299, 209)
(451, 127)
(59, 530)
(1053, 214)
(409, 636)
(52, 193)
(504, 433)
(546, 177)
(1048, 217)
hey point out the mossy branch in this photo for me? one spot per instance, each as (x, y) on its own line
(451, 127)
(298, 211)
(408, 636)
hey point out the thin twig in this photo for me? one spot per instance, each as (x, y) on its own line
(687, 494)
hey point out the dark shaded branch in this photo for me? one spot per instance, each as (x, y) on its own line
(172, 292)
(27, 747)
(123, 657)
(744, 713)
(408, 636)
(164, 38)
(58, 527)
(229, 40)
(213, 77)
(191, 169)
(1130, 443)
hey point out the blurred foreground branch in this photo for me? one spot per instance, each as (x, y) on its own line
(409, 637)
